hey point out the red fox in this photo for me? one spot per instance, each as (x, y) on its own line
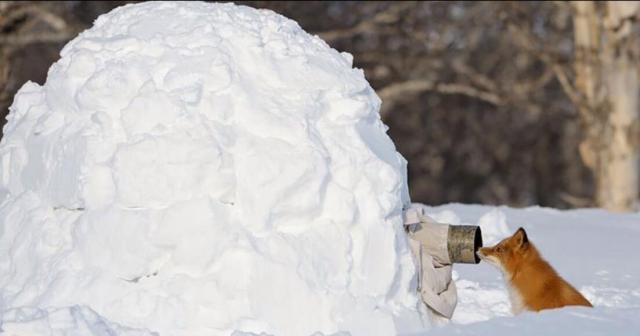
(533, 284)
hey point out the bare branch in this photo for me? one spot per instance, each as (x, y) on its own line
(392, 91)
(34, 11)
(524, 89)
(21, 40)
(527, 42)
(389, 15)
(390, 94)
(566, 85)
(476, 77)
(463, 89)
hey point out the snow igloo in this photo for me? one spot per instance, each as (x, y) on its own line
(202, 169)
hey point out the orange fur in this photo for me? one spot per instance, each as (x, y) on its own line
(533, 283)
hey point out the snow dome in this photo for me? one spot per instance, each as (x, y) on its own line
(202, 169)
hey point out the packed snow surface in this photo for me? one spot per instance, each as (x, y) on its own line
(202, 169)
(594, 250)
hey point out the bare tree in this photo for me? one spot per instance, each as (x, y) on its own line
(606, 69)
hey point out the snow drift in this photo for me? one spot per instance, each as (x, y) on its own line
(199, 169)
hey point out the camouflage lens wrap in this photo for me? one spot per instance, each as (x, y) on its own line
(463, 241)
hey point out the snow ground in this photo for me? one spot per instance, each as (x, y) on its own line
(594, 250)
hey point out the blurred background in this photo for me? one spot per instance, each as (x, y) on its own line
(517, 103)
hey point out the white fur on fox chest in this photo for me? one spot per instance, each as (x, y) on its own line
(517, 304)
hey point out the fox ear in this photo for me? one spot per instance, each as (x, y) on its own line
(521, 237)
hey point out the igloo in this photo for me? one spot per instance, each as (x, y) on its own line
(203, 169)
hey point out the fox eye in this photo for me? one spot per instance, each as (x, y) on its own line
(499, 249)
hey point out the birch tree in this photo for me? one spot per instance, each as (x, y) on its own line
(606, 57)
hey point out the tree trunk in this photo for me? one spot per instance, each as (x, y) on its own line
(607, 78)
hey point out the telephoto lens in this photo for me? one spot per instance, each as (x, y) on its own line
(463, 241)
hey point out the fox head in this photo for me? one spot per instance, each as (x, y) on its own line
(508, 252)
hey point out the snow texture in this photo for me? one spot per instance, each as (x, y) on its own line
(202, 169)
(594, 250)
(70, 321)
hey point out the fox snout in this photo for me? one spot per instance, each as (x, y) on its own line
(483, 252)
(487, 255)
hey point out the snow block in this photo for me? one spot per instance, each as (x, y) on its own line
(203, 169)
